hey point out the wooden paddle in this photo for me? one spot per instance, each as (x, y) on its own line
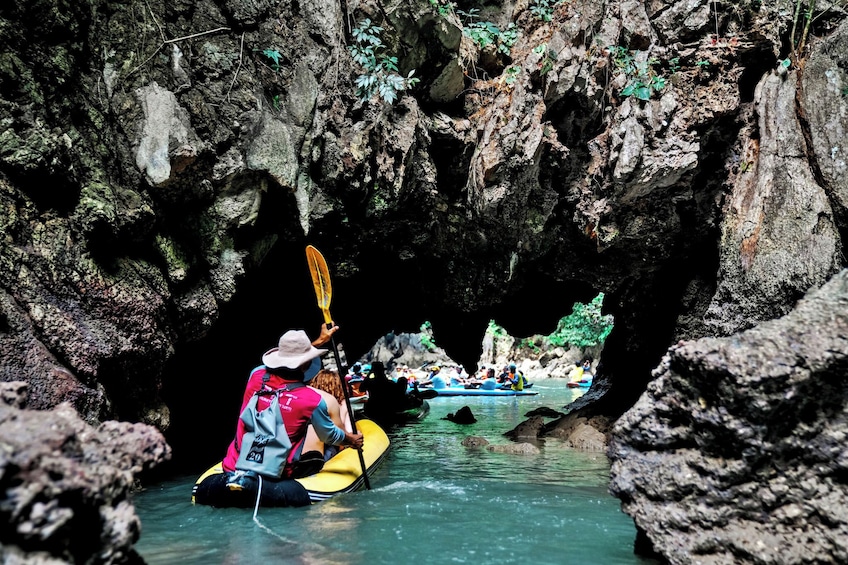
(324, 293)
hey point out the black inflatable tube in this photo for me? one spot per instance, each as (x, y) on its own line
(213, 491)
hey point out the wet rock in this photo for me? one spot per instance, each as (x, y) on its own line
(462, 416)
(514, 448)
(475, 441)
(530, 428)
(544, 412)
(67, 485)
(736, 452)
(587, 438)
(590, 434)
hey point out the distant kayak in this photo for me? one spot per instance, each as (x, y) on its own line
(487, 387)
(462, 391)
(584, 383)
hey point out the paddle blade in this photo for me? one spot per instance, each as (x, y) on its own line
(320, 280)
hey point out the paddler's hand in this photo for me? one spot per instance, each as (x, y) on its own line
(326, 334)
(354, 440)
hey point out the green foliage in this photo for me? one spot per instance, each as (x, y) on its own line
(381, 70)
(444, 7)
(507, 39)
(495, 329)
(543, 9)
(674, 65)
(487, 33)
(528, 343)
(548, 58)
(275, 57)
(642, 80)
(584, 327)
(427, 341)
(512, 73)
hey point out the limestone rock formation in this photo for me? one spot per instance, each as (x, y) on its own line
(68, 486)
(736, 452)
(162, 167)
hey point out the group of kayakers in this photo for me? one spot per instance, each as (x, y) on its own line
(487, 378)
(437, 376)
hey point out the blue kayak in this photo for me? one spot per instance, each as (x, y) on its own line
(462, 391)
(584, 383)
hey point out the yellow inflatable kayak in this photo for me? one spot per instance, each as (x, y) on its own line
(341, 474)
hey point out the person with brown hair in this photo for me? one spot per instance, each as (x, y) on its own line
(328, 382)
(329, 386)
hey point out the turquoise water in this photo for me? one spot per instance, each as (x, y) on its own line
(433, 501)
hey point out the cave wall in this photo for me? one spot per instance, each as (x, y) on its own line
(736, 452)
(155, 159)
(163, 165)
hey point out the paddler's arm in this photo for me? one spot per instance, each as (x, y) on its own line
(331, 434)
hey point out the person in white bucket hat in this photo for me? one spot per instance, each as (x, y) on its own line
(288, 366)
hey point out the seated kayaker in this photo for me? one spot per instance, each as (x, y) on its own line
(438, 382)
(284, 369)
(383, 397)
(515, 378)
(355, 373)
(329, 385)
(489, 384)
(435, 371)
(576, 373)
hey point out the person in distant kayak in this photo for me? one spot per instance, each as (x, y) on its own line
(355, 373)
(382, 391)
(576, 374)
(504, 375)
(434, 378)
(515, 378)
(287, 366)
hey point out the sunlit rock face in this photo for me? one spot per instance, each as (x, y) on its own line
(162, 169)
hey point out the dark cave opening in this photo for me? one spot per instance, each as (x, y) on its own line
(761, 62)
(204, 380)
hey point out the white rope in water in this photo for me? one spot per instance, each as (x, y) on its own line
(256, 512)
(258, 496)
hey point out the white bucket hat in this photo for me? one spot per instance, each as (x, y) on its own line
(295, 349)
